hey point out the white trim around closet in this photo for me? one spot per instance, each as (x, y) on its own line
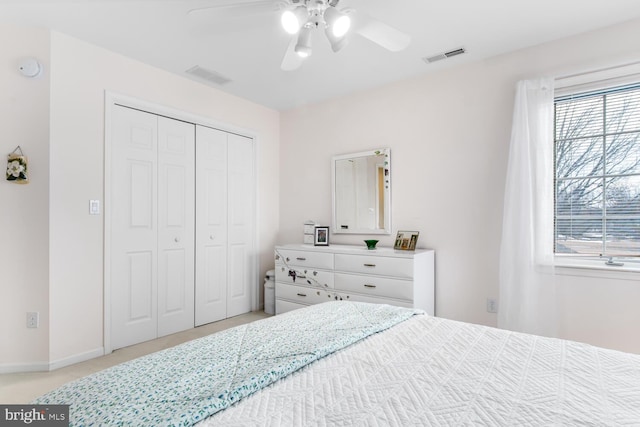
(112, 99)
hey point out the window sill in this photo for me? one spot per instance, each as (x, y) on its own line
(597, 268)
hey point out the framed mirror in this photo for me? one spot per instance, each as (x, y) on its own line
(361, 192)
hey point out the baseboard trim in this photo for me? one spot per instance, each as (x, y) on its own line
(76, 358)
(13, 368)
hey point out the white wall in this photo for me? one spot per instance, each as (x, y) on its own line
(24, 228)
(56, 265)
(80, 74)
(449, 134)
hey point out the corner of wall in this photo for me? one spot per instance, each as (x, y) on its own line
(24, 219)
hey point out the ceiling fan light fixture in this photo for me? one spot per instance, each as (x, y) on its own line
(337, 43)
(293, 20)
(303, 46)
(338, 22)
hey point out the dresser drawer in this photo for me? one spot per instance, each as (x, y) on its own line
(374, 286)
(383, 266)
(319, 278)
(301, 294)
(306, 259)
(284, 306)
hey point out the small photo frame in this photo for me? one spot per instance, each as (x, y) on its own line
(17, 167)
(321, 236)
(406, 240)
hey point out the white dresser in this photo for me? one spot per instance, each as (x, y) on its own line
(307, 275)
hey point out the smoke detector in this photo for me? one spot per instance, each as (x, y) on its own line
(30, 67)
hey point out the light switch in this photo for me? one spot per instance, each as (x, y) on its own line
(94, 207)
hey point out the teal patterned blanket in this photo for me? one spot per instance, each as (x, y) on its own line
(183, 385)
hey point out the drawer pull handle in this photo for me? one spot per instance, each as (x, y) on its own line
(369, 286)
(369, 265)
(302, 295)
(301, 258)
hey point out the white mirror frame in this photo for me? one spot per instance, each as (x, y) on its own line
(385, 165)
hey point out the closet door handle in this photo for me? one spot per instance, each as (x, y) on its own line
(369, 265)
(212, 237)
(369, 286)
(177, 239)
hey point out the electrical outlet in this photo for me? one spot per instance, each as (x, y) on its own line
(492, 305)
(33, 319)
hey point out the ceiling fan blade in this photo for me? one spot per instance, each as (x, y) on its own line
(291, 60)
(237, 9)
(380, 33)
(226, 17)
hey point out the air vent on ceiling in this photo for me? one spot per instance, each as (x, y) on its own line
(208, 75)
(438, 57)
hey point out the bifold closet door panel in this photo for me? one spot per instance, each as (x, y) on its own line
(211, 225)
(152, 226)
(241, 233)
(176, 225)
(134, 233)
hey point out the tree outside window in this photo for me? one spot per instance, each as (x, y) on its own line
(597, 172)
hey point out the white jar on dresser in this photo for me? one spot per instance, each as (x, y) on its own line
(307, 275)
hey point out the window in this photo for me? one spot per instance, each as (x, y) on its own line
(597, 172)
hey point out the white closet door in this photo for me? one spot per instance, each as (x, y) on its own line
(176, 225)
(134, 230)
(241, 246)
(211, 225)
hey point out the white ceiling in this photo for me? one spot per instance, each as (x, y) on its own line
(163, 34)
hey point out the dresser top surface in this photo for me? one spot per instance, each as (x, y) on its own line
(355, 250)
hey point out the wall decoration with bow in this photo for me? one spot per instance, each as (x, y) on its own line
(17, 167)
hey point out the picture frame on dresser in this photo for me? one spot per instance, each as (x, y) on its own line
(406, 240)
(321, 236)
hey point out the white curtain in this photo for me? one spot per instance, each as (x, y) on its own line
(527, 289)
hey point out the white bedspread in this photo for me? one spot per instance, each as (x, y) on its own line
(182, 385)
(432, 371)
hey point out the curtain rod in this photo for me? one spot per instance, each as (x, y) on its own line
(596, 70)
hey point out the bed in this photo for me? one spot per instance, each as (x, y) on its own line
(346, 363)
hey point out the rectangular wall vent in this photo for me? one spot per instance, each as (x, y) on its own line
(208, 75)
(454, 52)
(434, 58)
(444, 55)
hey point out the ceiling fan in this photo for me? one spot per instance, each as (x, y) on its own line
(300, 18)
